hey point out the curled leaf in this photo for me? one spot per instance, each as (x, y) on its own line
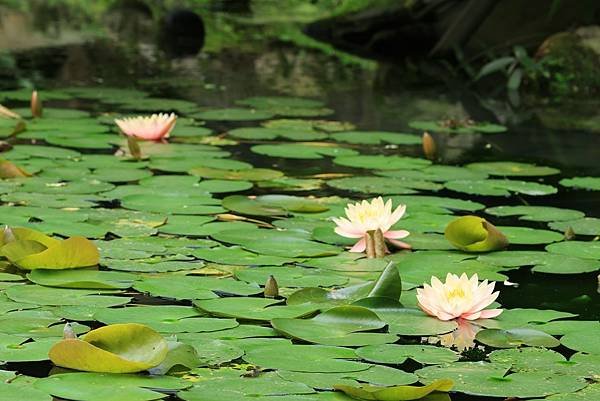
(395, 393)
(6, 112)
(117, 348)
(30, 249)
(10, 170)
(474, 234)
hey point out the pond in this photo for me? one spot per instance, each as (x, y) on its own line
(219, 241)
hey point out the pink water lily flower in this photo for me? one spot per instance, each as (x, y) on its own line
(459, 297)
(369, 216)
(151, 128)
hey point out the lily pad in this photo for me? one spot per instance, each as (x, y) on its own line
(342, 325)
(474, 234)
(119, 348)
(586, 183)
(109, 386)
(395, 393)
(512, 169)
(315, 150)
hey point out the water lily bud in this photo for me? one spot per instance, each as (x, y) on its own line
(134, 147)
(569, 233)
(68, 331)
(8, 235)
(36, 105)
(429, 146)
(271, 288)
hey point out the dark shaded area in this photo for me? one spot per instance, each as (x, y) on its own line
(438, 27)
(182, 33)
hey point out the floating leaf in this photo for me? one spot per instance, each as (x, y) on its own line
(499, 187)
(515, 338)
(234, 114)
(342, 325)
(587, 183)
(119, 348)
(395, 393)
(474, 234)
(512, 169)
(306, 150)
(376, 137)
(103, 386)
(382, 162)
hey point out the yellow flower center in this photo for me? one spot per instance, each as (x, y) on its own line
(456, 293)
(367, 215)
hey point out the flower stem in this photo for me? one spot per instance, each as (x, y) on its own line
(376, 247)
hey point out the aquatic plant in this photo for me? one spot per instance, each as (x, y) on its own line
(458, 297)
(371, 222)
(150, 128)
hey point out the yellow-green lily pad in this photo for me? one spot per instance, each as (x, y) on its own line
(474, 234)
(118, 348)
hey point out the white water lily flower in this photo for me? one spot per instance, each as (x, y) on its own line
(458, 297)
(152, 128)
(369, 216)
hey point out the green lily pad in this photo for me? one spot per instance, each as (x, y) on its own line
(260, 133)
(398, 354)
(584, 226)
(497, 187)
(194, 287)
(512, 169)
(165, 318)
(587, 183)
(515, 338)
(291, 276)
(376, 138)
(82, 278)
(536, 213)
(315, 358)
(40, 295)
(342, 325)
(382, 162)
(251, 174)
(580, 249)
(302, 151)
(234, 114)
(101, 386)
(458, 127)
(382, 185)
(436, 173)
(267, 386)
(491, 380)
(259, 309)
